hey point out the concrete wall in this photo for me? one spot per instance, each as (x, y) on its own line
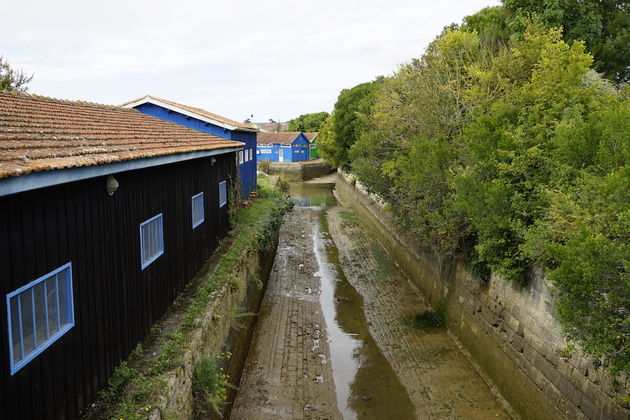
(509, 328)
(300, 171)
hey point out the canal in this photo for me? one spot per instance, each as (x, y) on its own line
(342, 334)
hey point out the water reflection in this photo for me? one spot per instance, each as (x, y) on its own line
(365, 383)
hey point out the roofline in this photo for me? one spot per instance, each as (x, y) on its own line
(36, 180)
(152, 100)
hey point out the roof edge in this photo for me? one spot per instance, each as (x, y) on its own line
(150, 99)
(43, 179)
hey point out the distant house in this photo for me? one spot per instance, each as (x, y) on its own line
(105, 214)
(272, 127)
(312, 139)
(282, 147)
(202, 120)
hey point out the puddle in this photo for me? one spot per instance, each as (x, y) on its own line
(366, 386)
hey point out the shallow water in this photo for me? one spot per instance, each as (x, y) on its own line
(366, 386)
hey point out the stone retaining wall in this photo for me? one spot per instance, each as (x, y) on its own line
(299, 171)
(219, 331)
(509, 328)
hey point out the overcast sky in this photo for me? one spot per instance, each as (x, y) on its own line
(270, 58)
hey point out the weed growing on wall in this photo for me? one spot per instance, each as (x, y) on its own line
(210, 385)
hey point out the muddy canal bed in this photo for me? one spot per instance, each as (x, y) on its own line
(336, 336)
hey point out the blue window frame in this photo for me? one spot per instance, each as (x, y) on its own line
(222, 193)
(38, 314)
(151, 240)
(198, 215)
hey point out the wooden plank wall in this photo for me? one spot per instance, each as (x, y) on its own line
(247, 169)
(115, 301)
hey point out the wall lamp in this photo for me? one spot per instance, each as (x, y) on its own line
(112, 185)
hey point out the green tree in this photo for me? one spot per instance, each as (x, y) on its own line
(351, 111)
(327, 146)
(11, 79)
(507, 161)
(409, 147)
(603, 25)
(308, 122)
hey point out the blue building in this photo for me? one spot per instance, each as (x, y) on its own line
(202, 120)
(282, 147)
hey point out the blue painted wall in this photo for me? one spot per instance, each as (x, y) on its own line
(247, 167)
(297, 152)
(299, 149)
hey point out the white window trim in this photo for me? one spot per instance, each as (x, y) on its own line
(203, 211)
(161, 243)
(224, 184)
(15, 367)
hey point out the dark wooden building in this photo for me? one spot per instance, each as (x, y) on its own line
(105, 214)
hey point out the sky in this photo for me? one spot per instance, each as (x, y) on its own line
(272, 59)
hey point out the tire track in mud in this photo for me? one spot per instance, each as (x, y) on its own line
(440, 379)
(285, 374)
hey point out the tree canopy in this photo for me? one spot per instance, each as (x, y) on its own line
(504, 147)
(308, 122)
(603, 26)
(11, 79)
(344, 125)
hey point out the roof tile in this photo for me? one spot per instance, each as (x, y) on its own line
(285, 137)
(199, 111)
(40, 134)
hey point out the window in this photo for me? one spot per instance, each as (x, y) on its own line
(222, 193)
(151, 240)
(197, 210)
(240, 157)
(38, 314)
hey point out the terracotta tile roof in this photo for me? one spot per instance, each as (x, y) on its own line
(40, 134)
(286, 137)
(194, 110)
(311, 136)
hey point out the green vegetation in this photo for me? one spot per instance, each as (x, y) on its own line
(122, 374)
(210, 385)
(11, 79)
(308, 122)
(503, 146)
(138, 379)
(424, 320)
(341, 130)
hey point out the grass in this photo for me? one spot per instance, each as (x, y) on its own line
(137, 381)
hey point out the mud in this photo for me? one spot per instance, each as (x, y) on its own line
(439, 377)
(286, 374)
(333, 338)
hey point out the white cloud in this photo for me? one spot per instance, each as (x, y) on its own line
(272, 58)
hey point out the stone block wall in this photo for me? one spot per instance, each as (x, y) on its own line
(218, 331)
(509, 328)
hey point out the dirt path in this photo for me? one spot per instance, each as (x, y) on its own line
(286, 374)
(440, 380)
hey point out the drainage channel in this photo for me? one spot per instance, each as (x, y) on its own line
(366, 385)
(312, 355)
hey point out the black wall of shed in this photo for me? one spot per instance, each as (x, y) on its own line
(115, 301)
